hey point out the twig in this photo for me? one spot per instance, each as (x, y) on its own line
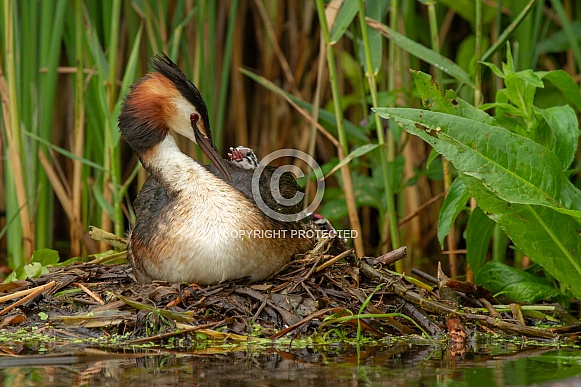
(331, 261)
(90, 293)
(35, 292)
(24, 292)
(303, 321)
(389, 258)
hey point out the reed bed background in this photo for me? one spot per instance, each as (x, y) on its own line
(275, 74)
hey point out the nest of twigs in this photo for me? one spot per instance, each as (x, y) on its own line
(312, 294)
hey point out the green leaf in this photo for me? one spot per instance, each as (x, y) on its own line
(45, 257)
(566, 84)
(375, 9)
(520, 92)
(478, 233)
(548, 237)
(357, 152)
(423, 53)
(433, 99)
(365, 191)
(565, 133)
(513, 167)
(334, 209)
(454, 203)
(32, 270)
(516, 284)
(343, 20)
(498, 72)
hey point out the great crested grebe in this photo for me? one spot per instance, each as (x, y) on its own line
(195, 224)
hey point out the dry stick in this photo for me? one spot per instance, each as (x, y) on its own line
(90, 293)
(422, 319)
(23, 293)
(331, 261)
(493, 312)
(284, 314)
(303, 321)
(425, 276)
(389, 258)
(439, 308)
(35, 292)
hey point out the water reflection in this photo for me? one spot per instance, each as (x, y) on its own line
(396, 365)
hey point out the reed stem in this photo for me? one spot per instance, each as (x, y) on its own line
(344, 149)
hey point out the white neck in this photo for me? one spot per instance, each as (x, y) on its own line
(175, 170)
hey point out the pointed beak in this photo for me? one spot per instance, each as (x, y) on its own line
(208, 147)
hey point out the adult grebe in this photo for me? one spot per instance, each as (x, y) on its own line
(194, 225)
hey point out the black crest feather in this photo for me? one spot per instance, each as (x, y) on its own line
(165, 66)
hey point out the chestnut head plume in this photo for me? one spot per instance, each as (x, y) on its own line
(163, 99)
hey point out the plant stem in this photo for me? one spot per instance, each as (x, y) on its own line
(111, 101)
(344, 148)
(370, 73)
(78, 133)
(435, 39)
(13, 134)
(392, 86)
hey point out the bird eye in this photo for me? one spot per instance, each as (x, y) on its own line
(194, 118)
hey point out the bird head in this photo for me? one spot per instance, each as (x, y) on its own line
(162, 100)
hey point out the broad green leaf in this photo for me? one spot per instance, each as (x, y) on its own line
(334, 209)
(365, 191)
(449, 103)
(454, 203)
(478, 233)
(32, 270)
(565, 130)
(45, 257)
(548, 237)
(566, 84)
(423, 53)
(515, 284)
(357, 152)
(514, 168)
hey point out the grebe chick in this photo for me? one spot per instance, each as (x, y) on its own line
(192, 225)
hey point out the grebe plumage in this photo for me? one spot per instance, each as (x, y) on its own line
(193, 223)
